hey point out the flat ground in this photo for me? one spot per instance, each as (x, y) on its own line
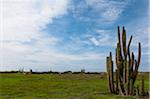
(58, 86)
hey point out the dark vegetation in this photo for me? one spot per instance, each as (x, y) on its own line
(50, 72)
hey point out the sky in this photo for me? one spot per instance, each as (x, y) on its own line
(63, 35)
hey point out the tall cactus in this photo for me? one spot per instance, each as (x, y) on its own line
(127, 67)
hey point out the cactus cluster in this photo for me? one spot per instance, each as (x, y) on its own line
(123, 80)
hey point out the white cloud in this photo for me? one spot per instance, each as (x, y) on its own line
(24, 44)
(95, 41)
(140, 32)
(24, 19)
(144, 38)
(106, 10)
(32, 57)
(22, 22)
(103, 38)
(112, 13)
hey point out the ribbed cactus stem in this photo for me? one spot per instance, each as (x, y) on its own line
(108, 73)
(116, 58)
(131, 87)
(119, 44)
(117, 79)
(139, 54)
(124, 42)
(128, 65)
(119, 60)
(129, 41)
(137, 63)
(124, 71)
(128, 77)
(111, 73)
(131, 66)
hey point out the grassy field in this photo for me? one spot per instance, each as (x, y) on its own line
(58, 86)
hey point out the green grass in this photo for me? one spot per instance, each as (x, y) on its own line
(57, 86)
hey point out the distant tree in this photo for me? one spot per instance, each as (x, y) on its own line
(20, 71)
(50, 71)
(31, 71)
(67, 72)
(82, 70)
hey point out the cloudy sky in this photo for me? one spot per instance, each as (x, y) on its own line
(69, 34)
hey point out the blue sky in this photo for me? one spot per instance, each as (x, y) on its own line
(69, 34)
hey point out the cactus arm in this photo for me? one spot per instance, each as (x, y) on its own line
(139, 55)
(124, 42)
(119, 61)
(137, 63)
(116, 58)
(128, 72)
(129, 43)
(131, 66)
(135, 72)
(119, 41)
